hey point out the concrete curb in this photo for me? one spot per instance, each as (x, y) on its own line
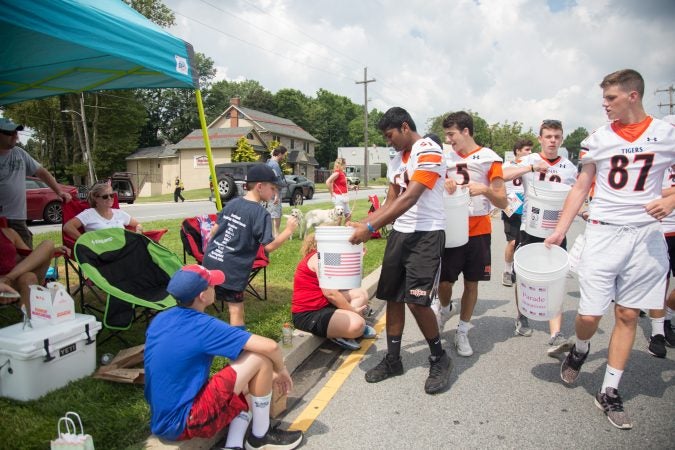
(304, 344)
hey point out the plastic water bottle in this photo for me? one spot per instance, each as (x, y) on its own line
(287, 335)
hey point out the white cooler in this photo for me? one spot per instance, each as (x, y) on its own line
(34, 361)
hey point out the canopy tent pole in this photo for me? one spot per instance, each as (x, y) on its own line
(207, 145)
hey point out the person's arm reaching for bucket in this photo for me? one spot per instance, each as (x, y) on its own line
(521, 169)
(388, 213)
(573, 203)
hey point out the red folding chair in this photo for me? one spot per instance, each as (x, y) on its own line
(374, 206)
(70, 210)
(191, 236)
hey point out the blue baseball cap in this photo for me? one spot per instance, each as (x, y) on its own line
(8, 125)
(190, 281)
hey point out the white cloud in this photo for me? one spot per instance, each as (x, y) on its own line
(512, 60)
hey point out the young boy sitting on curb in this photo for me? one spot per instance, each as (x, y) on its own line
(180, 345)
(242, 227)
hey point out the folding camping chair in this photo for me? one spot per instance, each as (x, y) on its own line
(132, 269)
(191, 236)
(70, 210)
(374, 206)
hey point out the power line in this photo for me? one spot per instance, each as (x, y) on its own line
(262, 48)
(298, 29)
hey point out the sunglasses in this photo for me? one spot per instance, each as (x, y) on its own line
(8, 133)
(555, 123)
(106, 196)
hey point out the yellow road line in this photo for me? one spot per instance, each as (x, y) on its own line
(324, 396)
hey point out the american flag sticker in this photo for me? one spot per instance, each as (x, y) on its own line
(341, 264)
(550, 218)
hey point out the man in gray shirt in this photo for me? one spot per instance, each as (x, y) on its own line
(15, 165)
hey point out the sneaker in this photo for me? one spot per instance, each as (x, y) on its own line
(349, 344)
(507, 279)
(388, 367)
(570, 367)
(670, 334)
(657, 346)
(610, 402)
(439, 373)
(558, 345)
(276, 439)
(462, 344)
(523, 326)
(442, 316)
(369, 333)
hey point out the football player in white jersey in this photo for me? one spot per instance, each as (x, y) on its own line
(480, 169)
(412, 256)
(625, 257)
(545, 167)
(516, 195)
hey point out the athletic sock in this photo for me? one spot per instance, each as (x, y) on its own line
(435, 346)
(261, 414)
(463, 327)
(657, 326)
(446, 309)
(669, 314)
(394, 346)
(612, 378)
(237, 430)
(508, 266)
(582, 346)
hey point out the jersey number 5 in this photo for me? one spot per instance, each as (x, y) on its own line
(618, 174)
(462, 170)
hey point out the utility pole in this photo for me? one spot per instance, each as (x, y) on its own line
(670, 104)
(365, 122)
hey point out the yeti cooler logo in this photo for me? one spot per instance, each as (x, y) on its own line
(68, 349)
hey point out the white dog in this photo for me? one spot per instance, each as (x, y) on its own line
(317, 217)
(295, 212)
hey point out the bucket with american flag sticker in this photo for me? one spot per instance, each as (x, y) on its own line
(340, 262)
(544, 205)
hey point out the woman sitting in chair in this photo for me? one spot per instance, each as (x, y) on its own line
(101, 215)
(20, 267)
(335, 314)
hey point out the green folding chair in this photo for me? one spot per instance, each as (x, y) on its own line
(132, 269)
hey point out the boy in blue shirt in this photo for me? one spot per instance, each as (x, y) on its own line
(180, 345)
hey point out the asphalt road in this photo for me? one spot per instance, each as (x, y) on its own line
(507, 395)
(145, 212)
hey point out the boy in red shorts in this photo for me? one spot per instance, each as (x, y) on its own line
(180, 345)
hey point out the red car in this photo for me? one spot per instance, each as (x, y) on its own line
(42, 203)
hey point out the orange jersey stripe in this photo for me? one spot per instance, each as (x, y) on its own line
(428, 179)
(479, 225)
(631, 131)
(430, 158)
(495, 171)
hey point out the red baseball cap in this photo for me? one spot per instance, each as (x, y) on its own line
(191, 280)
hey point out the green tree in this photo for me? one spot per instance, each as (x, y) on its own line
(375, 137)
(481, 129)
(573, 142)
(292, 104)
(329, 117)
(250, 92)
(244, 151)
(154, 10)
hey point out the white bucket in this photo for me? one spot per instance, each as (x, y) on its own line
(544, 205)
(456, 207)
(540, 280)
(340, 263)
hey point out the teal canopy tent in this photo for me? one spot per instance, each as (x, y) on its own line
(53, 47)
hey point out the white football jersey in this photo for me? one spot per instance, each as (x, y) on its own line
(562, 170)
(668, 223)
(628, 174)
(513, 186)
(475, 167)
(427, 214)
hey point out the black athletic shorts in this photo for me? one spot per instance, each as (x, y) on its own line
(410, 266)
(228, 295)
(670, 240)
(473, 259)
(512, 226)
(315, 322)
(525, 238)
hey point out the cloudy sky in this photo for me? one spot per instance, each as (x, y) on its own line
(508, 60)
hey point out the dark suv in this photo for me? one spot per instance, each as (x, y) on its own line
(232, 180)
(123, 184)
